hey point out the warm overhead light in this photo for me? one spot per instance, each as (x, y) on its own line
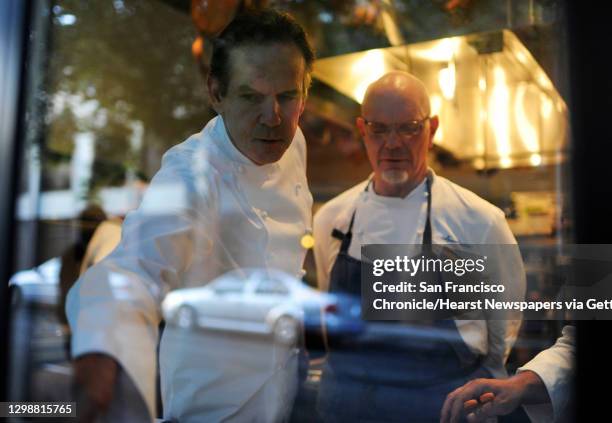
(496, 103)
(521, 57)
(526, 130)
(505, 162)
(479, 163)
(546, 106)
(544, 81)
(482, 84)
(436, 104)
(441, 51)
(439, 135)
(366, 70)
(447, 81)
(535, 159)
(499, 113)
(436, 110)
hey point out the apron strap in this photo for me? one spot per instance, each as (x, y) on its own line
(348, 236)
(427, 237)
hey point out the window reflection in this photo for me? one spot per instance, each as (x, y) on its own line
(123, 88)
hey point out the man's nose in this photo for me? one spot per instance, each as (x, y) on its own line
(271, 114)
(394, 139)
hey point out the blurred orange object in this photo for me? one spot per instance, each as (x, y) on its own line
(212, 16)
(197, 47)
(201, 49)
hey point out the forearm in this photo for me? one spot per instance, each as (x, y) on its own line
(119, 319)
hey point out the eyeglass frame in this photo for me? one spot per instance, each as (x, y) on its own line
(395, 126)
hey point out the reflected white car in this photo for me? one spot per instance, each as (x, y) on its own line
(39, 284)
(257, 301)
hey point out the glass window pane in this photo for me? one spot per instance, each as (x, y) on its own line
(145, 215)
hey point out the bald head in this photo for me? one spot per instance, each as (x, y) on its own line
(397, 87)
(397, 131)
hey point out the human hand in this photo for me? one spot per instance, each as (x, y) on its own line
(481, 399)
(95, 376)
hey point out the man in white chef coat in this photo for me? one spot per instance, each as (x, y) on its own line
(233, 196)
(543, 386)
(405, 202)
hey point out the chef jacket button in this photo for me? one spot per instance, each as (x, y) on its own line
(240, 168)
(426, 194)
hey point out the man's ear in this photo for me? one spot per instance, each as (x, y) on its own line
(214, 93)
(360, 122)
(307, 80)
(303, 105)
(434, 123)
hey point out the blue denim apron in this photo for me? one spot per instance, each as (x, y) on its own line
(393, 373)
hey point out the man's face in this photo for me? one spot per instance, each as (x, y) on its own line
(264, 99)
(397, 136)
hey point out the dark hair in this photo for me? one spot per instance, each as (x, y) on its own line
(257, 27)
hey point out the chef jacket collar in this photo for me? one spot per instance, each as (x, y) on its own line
(419, 191)
(238, 159)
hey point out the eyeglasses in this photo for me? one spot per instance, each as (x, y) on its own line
(404, 129)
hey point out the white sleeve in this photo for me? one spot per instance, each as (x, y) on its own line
(114, 308)
(503, 327)
(555, 366)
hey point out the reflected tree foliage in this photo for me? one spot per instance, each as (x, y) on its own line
(122, 71)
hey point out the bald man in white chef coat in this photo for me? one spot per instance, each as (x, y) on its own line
(405, 202)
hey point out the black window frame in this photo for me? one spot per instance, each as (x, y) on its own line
(14, 30)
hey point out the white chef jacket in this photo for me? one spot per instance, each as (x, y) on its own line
(457, 216)
(208, 210)
(555, 366)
